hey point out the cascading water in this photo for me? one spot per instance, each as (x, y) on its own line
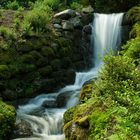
(46, 123)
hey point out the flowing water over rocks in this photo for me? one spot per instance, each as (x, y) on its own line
(44, 114)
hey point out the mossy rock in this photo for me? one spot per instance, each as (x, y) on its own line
(86, 92)
(66, 62)
(27, 68)
(42, 62)
(83, 122)
(4, 72)
(48, 52)
(7, 120)
(27, 58)
(45, 71)
(36, 55)
(56, 64)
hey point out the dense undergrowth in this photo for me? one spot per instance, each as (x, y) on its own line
(112, 109)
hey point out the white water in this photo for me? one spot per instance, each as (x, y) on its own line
(47, 123)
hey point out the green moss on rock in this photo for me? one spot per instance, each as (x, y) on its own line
(7, 120)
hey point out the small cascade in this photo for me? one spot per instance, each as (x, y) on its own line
(46, 123)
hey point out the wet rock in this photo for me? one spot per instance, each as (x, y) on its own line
(66, 14)
(57, 26)
(125, 30)
(49, 104)
(68, 26)
(87, 29)
(88, 10)
(76, 21)
(22, 129)
(126, 20)
(62, 98)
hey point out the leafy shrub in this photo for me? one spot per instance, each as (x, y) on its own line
(135, 32)
(37, 19)
(76, 6)
(9, 37)
(7, 33)
(132, 49)
(134, 13)
(54, 4)
(14, 5)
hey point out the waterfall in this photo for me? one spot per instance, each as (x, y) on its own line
(46, 123)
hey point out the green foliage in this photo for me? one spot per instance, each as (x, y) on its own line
(4, 72)
(37, 19)
(7, 120)
(54, 4)
(9, 37)
(7, 33)
(76, 6)
(132, 49)
(135, 32)
(134, 14)
(14, 5)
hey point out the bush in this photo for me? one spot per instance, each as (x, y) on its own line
(7, 33)
(132, 49)
(134, 14)
(14, 5)
(54, 4)
(76, 6)
(37, 19)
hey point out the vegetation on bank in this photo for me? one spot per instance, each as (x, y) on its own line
(112, 109)
(7, 120)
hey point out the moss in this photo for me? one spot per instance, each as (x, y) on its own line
(7, 120)
(83, 122)
(86, 92)
(27, 58)
(45, 71)
(48, 52)
(4, 72)
(56, 64)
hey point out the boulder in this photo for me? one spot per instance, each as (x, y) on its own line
(66, 14)
(88, 10)
(68, 26)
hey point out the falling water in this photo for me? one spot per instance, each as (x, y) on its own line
(46, 123)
